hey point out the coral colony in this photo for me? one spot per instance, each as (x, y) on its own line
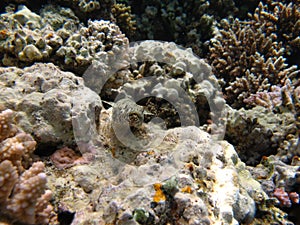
(149, 112)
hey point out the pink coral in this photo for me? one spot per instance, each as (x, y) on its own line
(283, 197)
(268, 100)
(23, 194)
(7, 128)
(286, 95)
(66, 157)
(286, 199)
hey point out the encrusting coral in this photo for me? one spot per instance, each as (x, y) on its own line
(255, 133)
(23, 194)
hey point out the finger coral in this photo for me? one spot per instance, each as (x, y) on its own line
(7, 129)
(250, 56)
(22, 187)
(124, 19)
(71, 46)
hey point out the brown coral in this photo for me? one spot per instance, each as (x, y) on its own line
(284, 19)
(249, 57)
(124, 19)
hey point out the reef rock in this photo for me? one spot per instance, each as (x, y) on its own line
(43, 97)
(188, 179)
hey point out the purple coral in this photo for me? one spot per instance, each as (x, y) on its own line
(268, 100)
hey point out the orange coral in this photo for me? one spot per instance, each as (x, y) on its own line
(159, 196)
(187, 189)
(4, 33)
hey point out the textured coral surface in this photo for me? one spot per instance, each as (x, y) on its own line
(23, 193)
(99, 128)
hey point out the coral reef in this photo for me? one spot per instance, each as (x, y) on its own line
(23, 194)
(134, 134)
(196, 171)
(188, 23)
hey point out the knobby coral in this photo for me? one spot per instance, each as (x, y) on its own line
(124, 19)
(26, 38)
(23, 194)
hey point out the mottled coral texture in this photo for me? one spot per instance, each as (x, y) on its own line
(286, 199)
(23, 194)
(66, 157)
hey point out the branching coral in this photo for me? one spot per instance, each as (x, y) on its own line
(124, 18)
(283, 19)
(22, 187)
(249, 57)
(7, 129)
